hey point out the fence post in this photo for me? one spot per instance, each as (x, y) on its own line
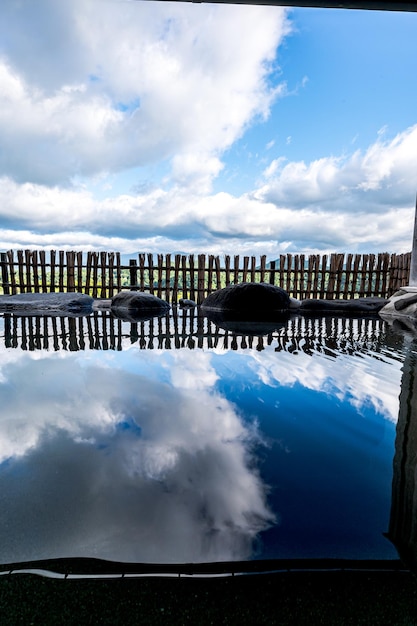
(133, 274)
(168, 277)
(201, 259)
(271, 272)
(103, 270)
(412, 280)
(4, 273)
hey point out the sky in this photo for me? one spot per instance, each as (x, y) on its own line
(141, 126)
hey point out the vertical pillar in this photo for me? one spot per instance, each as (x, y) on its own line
(403, 526)
(413, 267)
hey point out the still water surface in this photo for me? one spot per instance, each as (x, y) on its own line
(279, 449)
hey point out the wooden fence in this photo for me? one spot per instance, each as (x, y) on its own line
(171, 277)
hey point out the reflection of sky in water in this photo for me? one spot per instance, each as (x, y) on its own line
(181, 456)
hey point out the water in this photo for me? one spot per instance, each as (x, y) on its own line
(119, 441)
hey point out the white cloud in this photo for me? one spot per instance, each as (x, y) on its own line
(136, 85)
(384, 176)
(146, 82)
(178, 220)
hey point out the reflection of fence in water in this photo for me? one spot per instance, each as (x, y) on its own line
(188, 329)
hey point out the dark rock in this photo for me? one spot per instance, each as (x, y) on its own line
(137, 303)
(405, 302)
(402, 303)
(355, 306)
(184, 303)
(250, 300)
(47, 303)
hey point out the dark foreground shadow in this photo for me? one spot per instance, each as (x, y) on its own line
(296, 598)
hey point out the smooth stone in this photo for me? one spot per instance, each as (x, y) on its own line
(184, 303)
(354, 306)
(402, 304)
(249, 299)
(294, 303)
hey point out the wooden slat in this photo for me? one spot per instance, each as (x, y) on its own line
(288, 277)
(61, 271)
(192, 277)
(168, 278)
(332, 277)
(70, 271)
(355, 277)
(272, 273)
(218, 272)
(282, 260)
(263, 267)
(28, 278)
(362, 288)
(340, 261)
(52, 273)
(133, 273)
(245, 269)
(323, 276)
(310, 270)
(35, 271)
(142, 272)
(405, 269)
(384, 274)
(253, 269)
(378, 275)
(295, 283)
(347, 289)
(118, 272)
(103, 273)
(12, 273)
(302, 289)
(88, 272)
(160, 267)
(236, 269)
(20, 264)
(4, 273)
(316, 280)
(371, 272)
(184, 276)
(79, 257)
(177, 263)
(151, 274)
(227, 269)
(210, 274)
(201, 278)
(95, 274)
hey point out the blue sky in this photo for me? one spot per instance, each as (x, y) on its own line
(181, 127)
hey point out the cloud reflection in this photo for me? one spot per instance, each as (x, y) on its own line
(99, 460)
(373, 380)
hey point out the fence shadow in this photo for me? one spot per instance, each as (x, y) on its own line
(190, 329)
